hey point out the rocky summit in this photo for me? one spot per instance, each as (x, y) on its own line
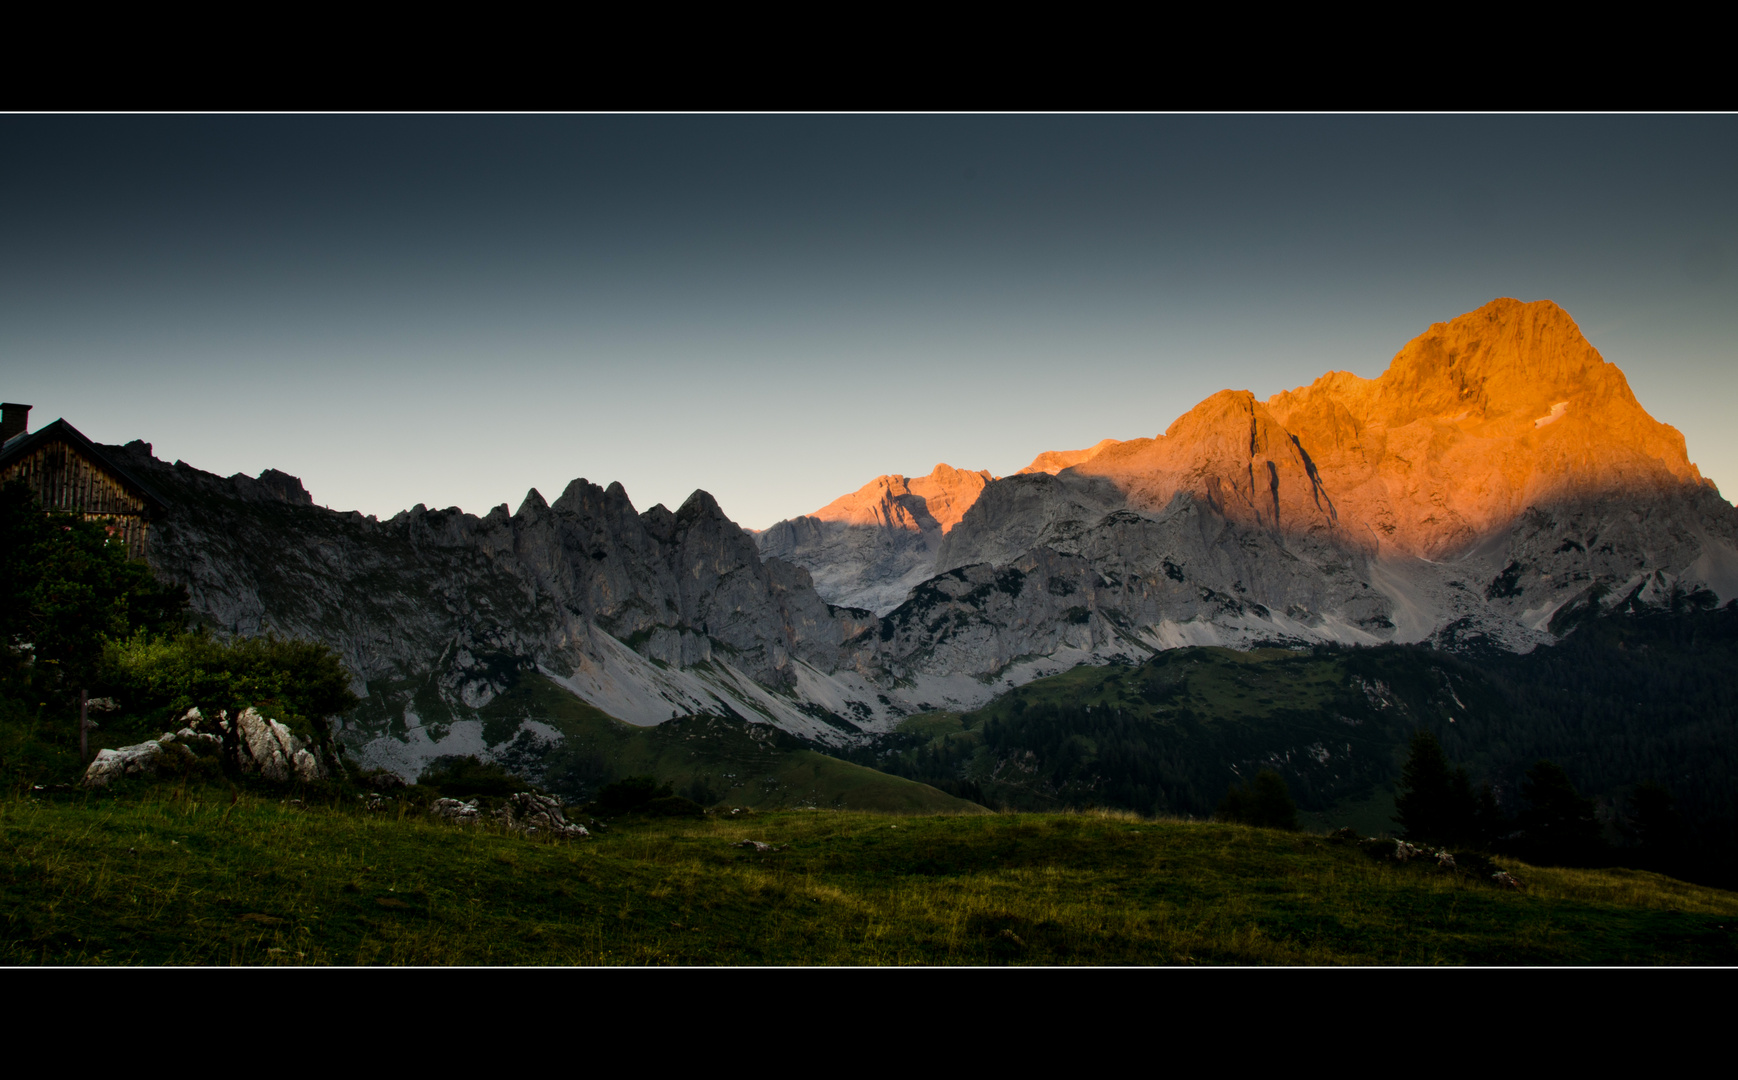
(870, 548)
(1498, 474)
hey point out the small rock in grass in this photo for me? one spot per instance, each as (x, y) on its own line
(110, 765)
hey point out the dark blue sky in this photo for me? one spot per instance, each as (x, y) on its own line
(450, 310)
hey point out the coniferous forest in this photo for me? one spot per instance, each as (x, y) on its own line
(1626, 726)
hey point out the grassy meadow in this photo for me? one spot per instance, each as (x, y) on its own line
(216, 877)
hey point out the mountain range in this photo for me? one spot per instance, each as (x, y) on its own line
(1498, 473)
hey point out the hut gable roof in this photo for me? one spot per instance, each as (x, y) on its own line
(20, 446)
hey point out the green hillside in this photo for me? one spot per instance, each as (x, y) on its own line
(1169, 736)
(213, 878)
(710, 759)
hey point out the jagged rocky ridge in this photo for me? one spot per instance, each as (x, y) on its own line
(1499, 471)
(646, 615)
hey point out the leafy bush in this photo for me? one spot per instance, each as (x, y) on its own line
(195, 761)
(298, 682)
(65, 585)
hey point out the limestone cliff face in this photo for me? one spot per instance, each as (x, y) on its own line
(1229, 452)
(1475, 420)
(1499, 470)
(912, 504)
(869, 548)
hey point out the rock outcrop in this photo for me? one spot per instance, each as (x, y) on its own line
(141, 760)
(460, 813)
(265, 747)
(538, 815)
(144, 760)
(250, 745)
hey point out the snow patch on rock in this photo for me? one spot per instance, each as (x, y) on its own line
(1553, 416)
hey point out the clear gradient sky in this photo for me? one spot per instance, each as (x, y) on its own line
(451, 310)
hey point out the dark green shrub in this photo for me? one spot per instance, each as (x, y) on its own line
(631, 794)
(458, 777)
(1475, 863)
(194, 761)
(672, 806)
(381, 780)
(700, 791)
(1376, 847)
(1264, 801)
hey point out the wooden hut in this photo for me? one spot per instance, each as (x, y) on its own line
(69, 475)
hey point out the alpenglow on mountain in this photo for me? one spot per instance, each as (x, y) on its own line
(1498, 473)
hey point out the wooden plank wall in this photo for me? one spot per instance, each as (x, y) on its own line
(65, 480)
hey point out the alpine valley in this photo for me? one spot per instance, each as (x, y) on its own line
(1496, 487)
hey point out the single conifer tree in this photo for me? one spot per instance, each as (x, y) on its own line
(1236, 805)
(1489, 823)
(1558, 825)
(1657, 826)
(1462, 822)
(1265, 802)
(1273, 803)
(1432, 801)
